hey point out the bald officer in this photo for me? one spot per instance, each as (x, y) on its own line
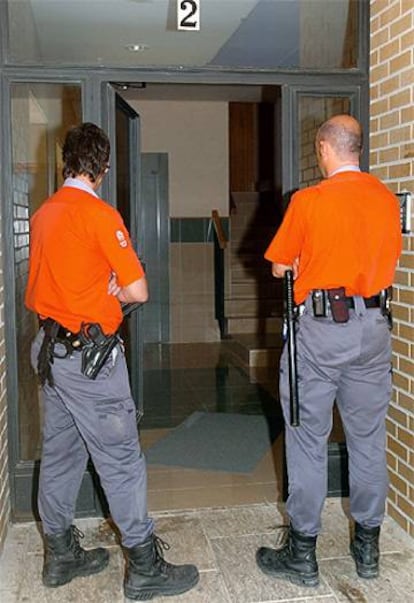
(342, 239)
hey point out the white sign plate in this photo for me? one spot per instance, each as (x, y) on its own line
(188, 15)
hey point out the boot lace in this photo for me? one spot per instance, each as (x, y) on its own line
(159, 547)
(75, 546)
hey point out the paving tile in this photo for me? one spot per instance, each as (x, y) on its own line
(255, 519)
(13, 559)
(334, 538)
(210, 589)
(244, 580)
(222, 542)
(8, 596)
(105, 587)
(185, 536)
(394, 585)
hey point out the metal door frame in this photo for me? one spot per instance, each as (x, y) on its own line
(114, 102)
(359, 101)
(96, 107)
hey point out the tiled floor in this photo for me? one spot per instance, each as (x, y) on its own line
(222, 542)
(182, 379)
(215, 519)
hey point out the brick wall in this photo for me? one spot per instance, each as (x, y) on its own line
(391, 159)
(4, 469)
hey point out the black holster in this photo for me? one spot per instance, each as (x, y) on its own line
(96, 349)
(45, 357)
(385, 305)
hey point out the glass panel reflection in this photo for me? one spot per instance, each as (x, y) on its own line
(313, 111)
(233, 34)
(41, 114)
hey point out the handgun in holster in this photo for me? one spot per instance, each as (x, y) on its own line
(96, 349)
(385, 304)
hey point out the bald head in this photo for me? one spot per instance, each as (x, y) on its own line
(338, 143)
(344, 134)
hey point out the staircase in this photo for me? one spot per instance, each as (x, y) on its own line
(254, 298)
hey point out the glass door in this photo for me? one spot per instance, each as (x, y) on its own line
(41, 114)
(127, 160)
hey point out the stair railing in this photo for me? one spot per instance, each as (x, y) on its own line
(220, 244)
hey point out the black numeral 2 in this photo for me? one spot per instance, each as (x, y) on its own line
(191, 6)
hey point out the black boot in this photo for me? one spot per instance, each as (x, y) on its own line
(65, 558)
(296, 560)
(148, 575)
(365, 551)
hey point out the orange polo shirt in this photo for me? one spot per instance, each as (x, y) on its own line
(76, 242)
(346, 233)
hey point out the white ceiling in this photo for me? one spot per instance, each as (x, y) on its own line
(98, 32)
(255, 34)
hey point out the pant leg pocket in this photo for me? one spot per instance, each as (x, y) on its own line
(117, 421)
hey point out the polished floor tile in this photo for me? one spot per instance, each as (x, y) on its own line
(183, 379)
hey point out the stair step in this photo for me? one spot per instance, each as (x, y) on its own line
(255, 350)
(240, 272)
(251, 307)
(254, 325)
(251, 289)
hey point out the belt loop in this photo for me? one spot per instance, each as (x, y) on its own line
(359, 304)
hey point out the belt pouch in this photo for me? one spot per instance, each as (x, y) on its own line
(338, 304)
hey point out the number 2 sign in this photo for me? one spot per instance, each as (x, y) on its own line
(188, 15)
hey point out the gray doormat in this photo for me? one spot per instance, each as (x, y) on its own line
(214, 441)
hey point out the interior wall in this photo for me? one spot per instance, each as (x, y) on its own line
(195, 136)
(4, 459)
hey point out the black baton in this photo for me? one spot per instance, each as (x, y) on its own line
(128, 308)
(291, 343)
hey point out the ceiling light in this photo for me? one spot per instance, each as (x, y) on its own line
(136, 47)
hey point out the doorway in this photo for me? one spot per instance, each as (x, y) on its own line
(188, 375)
(192, 132)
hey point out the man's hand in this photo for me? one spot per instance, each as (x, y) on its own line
(113, 287)
(134, 292)
(278, 270)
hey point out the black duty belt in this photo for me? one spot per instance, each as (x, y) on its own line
(370, 302)
(95, 346)
(65, 336)
(339, 303)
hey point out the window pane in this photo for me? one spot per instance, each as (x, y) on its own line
(255, 34)
(313, 111)
(41, 114)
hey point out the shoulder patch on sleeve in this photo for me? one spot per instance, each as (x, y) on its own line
(121, 238)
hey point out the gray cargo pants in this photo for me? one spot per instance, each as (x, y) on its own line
(85, 417)
(349, 362)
